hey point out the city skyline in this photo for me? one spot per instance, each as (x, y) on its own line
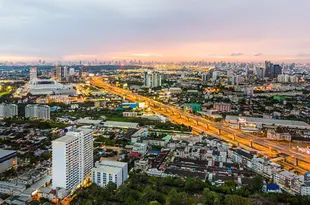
(158, 30)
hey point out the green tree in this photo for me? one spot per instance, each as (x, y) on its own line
(154, 203)
(194, 185)
(111, 187)
(257, 184)
(151, 195)
(88, 202)
(175, 198)
(236, 200)
(211, 198)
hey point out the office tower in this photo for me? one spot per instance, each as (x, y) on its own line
(8, 110)
(215, 75)
(277, 70)
(272, 70)
(268, 66)
(109, 171)
(156, 79)
(82, 71)
(260, 72)
(292, 66)
(37, 111)
(147, 79)
(71, 71)
(65, 73)
(203, 76)
(58, 72)
(72, 159)
(33, 73)
(53, 73)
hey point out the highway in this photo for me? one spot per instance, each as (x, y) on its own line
(201, 124)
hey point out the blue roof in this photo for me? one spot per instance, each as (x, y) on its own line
(155, 151)
(272, 187)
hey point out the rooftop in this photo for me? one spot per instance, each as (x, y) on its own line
(120, 124)
(107, 169)
(65, 139)
(284, 123)
(4, 152)
(113, 163)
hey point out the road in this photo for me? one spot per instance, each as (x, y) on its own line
(198, 123)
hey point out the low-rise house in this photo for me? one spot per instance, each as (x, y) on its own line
(11, 188)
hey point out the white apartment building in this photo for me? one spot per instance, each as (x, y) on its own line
(116, 164)
(38, 111)
(103, 175)
(33, 74)
(8, 110)
(72, 159)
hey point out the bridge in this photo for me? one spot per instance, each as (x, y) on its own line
(202, 125)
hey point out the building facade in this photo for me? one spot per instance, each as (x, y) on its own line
(109, 171)
(8, 159)
(72, 159)
(38, 111)
(8, 110)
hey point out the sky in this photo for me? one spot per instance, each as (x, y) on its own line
(163, 30)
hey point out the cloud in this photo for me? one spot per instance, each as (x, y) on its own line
(303, 55)
(148, 54)
(64, 29)
(258, 54)
(236, 54)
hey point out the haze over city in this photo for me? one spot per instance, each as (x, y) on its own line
(161, 30)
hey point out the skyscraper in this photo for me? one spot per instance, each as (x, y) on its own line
(38, 111)
(8, 110)
(277, 70)
(33, 73)
(147, 79)
(72, 158)
(268, 66)
(156, 79)
(260, 72)
(272, 70)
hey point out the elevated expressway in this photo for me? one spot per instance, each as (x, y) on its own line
(219, 130)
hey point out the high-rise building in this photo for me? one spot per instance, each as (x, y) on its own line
(156, 79)
(65, 73)
(272, 70)
(147, 79)
(153, 79)
(8, 110)
(109, 171)
(71, 71)
(277, 70)
(204, 76)
(72, 159)
(33, 73)
(38, 111)
(58, 72)
(215, 75)
(268, 66)
(260, 72)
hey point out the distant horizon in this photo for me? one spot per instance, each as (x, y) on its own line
(93, 61)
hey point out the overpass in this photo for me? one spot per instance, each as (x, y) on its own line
(200, 124)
